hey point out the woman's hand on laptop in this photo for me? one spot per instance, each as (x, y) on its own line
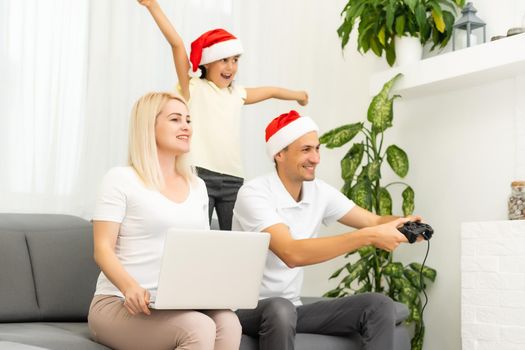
(136, 300)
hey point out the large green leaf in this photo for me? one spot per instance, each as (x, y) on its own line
(376, 46)
(351, 13)
(394, 269)
(408, 201)
(390, 15)
(451, 5)
(395, 285)
(361, 194)
(437, 15)
(381, 36)
(363, 175)
(383, 254)
(415, 313)
(390, 53)
(347, 189)
(404, 282)
(337, 272)
(354, 272)
(345, 28)
(428, 272)
(449, 19)
(373, 170)
(366, 251)
(366, 288)
(414, 278)
(351, 161)
(421, 16)
(398, 160)
(380, 109)
(400, 25)
(341, 135)
(410, 293)
(424, 33)
(365, 274)
(436, 35)
(406, 299)
(365, 32)
(411, 4)
(385, 202)
(417, 342)
(442, 39)
(344, 33)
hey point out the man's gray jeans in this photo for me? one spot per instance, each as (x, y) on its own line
(275, 321)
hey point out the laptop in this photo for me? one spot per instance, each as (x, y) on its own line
(209, 269)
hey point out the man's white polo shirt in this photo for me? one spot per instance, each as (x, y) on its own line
(264, 201)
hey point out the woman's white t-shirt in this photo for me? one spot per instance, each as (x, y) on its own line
(145, 216)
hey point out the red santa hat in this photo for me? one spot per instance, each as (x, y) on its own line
(285, 129)
(212, 46)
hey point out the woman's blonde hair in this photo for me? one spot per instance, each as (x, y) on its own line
(142, 143)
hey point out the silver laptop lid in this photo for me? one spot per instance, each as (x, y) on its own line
(208, 269)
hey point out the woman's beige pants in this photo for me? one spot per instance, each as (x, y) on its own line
(111, 324)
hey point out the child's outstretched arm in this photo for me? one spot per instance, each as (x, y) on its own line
(254, 95)
(180, 57)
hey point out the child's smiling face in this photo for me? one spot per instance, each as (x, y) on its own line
(222, 72)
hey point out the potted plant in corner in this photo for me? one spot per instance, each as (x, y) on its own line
(382, 23)
(375, 270)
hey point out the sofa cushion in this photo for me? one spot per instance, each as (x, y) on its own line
(306, 341)
(49, 336)
(17, 290)
(65, 295)
(18, 346)
(55, 275)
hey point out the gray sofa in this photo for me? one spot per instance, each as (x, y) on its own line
(47, 279)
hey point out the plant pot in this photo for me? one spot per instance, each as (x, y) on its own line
(408, 50)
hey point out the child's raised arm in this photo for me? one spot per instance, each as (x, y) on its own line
(180, 57)
(254, 95)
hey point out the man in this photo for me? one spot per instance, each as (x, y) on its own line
(290, 204)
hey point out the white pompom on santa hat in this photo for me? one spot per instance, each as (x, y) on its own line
(212, 46)
(285, 129)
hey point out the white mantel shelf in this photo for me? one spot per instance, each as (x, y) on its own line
(492, 61)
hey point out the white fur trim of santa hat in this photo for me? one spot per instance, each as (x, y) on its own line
(221, 50)
(289, 133)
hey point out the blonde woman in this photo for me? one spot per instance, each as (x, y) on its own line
(136, 205)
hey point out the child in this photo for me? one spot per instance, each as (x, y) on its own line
(215, 103)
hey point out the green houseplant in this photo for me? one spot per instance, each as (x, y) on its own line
(380, 21)
(375, 270)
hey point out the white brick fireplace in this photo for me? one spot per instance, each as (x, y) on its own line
(493, 285)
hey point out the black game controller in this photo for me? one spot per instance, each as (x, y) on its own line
(413, 229)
